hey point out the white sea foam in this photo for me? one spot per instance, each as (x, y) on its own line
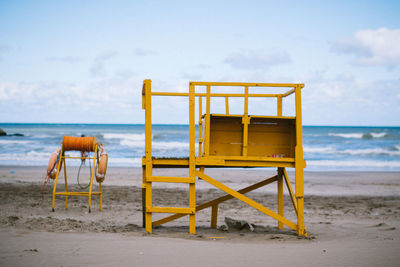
(359, 135)
(347, 135)
(378, 135)
(370, 151)
(155, 145)
(170, 145)
(354, 163)
(41, 135)
(130, 140)
(132, 143)
(19, 142)
(124, 136)
(319, 150)
(138, 140)
(30, 158)
(353, 152)
(124, 162)
(42, 159)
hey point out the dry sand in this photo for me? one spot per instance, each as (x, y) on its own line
(352, 219)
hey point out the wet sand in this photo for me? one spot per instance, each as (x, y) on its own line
(352, 219)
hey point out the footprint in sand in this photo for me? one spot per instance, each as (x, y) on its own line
(384, 225)
(389, 229)
(379, 225)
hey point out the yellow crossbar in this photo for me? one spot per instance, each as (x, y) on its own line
(77, 193)
(214, 94)
(170, 179)
(68, 157)
(248, 84)
(171, 210)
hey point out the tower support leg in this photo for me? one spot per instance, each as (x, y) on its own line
(280, 195)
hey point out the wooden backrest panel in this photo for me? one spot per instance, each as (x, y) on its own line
(226, 136)
(267, 137)
(272, 137)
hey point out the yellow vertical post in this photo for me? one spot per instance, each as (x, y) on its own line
(144, 196)
(91, 179)
(279, 104)
(226, 105)
(207, 130)
(57, 174)
(101, 196)
(245, 121)
(214, 216)
(192, 159)
(149, 163)
(200, 125)
(66, 184)
(280, 196)
(299, 164)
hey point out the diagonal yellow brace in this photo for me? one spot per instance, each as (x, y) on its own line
(217, 200)
(290, 189)
(247, 200)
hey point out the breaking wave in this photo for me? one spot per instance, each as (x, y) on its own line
(356, 163)
(14, 142)
(371, 135)
(391, 151)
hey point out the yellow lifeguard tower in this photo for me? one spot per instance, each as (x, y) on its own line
(227, 140)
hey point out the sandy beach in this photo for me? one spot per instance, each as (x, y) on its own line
(352, 219)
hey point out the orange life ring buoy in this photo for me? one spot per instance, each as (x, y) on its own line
(52, 168)
(102, 169)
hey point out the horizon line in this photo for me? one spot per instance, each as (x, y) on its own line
(180, 124)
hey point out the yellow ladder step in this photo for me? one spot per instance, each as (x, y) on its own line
(171, 179)
(172, 210)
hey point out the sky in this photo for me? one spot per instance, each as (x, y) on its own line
(85, 61)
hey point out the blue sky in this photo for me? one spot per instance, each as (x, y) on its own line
(85, 61)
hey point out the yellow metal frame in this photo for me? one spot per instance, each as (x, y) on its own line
(66, 193)
(205, 158)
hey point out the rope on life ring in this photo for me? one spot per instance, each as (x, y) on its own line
(102, 169)
(51, 169)
(79, 171)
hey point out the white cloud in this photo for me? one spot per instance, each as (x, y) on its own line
(98, 67)
(349, 100)
(125, 74)
(103, 101)
(105, 93)
(191, 76)
(144, 52)
(372, 47)
(251, 59)
(345, 76)
(66, 59)
(3, 48)
(203, 66)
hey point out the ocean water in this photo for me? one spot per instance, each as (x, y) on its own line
(325, 148)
